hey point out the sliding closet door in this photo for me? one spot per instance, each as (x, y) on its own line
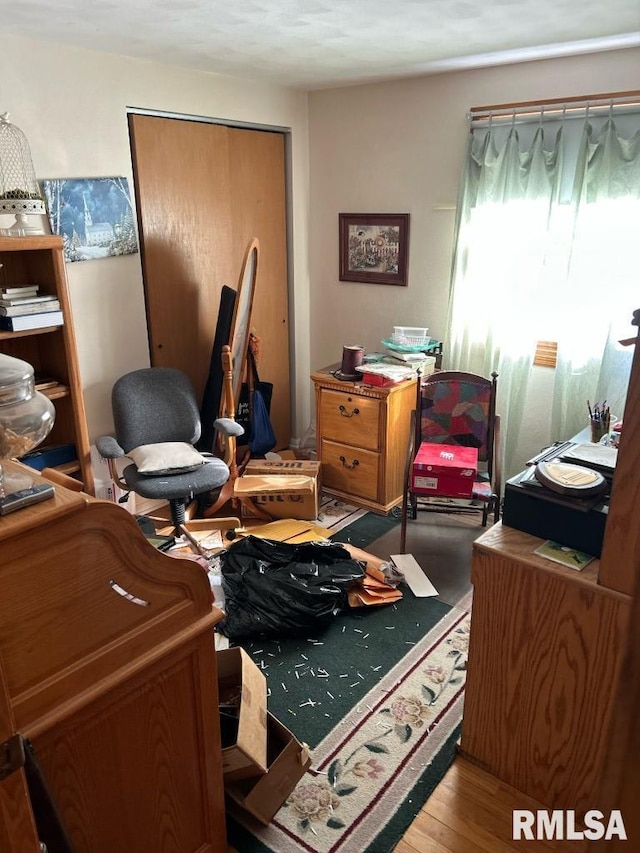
(257, 173)
(203, 191)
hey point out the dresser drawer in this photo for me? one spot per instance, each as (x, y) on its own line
(350, 419)
(350, 469)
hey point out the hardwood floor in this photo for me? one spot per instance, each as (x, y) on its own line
(471, 811)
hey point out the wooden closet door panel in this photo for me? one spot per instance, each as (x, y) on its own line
(258, 203)
(203, 192)
(183, 198)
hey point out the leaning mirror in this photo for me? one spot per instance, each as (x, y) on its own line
(241, 323)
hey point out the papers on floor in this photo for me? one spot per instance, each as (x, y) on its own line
(415, 578)
(289, 530)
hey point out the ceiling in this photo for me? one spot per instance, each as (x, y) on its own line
(313, 44)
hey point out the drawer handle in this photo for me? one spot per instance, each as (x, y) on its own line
(346, 414)
(353, 465)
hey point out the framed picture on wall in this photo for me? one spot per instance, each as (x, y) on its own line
(374, 247)
(94, 216)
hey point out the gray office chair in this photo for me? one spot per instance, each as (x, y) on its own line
(157, 422)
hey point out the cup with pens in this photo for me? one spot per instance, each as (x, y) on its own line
(599, 421)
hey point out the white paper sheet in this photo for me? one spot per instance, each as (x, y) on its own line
(416, 580)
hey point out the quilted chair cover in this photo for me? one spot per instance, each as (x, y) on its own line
(453, 407)
(456, 412)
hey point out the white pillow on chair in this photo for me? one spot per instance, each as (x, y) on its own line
(167, 457)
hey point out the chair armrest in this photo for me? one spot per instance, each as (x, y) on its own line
(108, 447)
(228, 427)
(110, 450)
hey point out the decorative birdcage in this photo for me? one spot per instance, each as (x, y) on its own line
(19, 191)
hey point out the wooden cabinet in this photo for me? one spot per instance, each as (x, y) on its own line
(545, 645)
(109, 668)
(362, 437)
(548, 700)
(50, 351)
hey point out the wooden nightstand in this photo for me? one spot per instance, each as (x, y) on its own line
(362, 438)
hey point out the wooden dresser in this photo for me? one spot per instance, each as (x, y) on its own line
(545, 672)
(107, 665)
(362, 435)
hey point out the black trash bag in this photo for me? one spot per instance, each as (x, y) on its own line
(275, 589)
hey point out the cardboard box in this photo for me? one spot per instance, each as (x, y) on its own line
(284, 488)
(241, 684)
(288, 761)
(447, 470)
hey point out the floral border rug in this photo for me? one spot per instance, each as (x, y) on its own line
(335, 515)
(384, 757)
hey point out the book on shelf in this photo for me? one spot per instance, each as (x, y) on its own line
(31, 321)
(8, 301)
(31, 308)
(19, 290)
(43, 383)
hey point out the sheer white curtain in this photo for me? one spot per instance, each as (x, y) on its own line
(538, 257)
(602, 286)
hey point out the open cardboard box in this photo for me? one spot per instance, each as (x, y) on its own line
(282, 493)
(241, 683)
(288, 761)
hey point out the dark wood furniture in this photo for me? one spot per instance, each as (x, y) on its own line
(108, 667)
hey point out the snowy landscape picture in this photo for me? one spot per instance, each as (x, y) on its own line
(94, 216)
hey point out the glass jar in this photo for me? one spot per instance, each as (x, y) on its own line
(26, 418)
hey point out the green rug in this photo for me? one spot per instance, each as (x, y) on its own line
(378, 698)
(366, 530)
(349, 523)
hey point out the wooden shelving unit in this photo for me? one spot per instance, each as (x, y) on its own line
(52, 350)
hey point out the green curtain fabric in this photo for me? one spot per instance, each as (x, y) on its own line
(508, 198)
(535, 262)
(602, 287)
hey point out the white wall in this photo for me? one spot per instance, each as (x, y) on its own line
(388, 147)
(72, 106)
(398, 147)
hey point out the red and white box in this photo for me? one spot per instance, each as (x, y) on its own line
(444, 470)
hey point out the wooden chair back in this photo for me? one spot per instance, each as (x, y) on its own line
(456, 407)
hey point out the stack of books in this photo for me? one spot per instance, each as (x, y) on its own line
(24, 307)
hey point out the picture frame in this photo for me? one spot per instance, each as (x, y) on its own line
(374, 247)
(94, 216)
